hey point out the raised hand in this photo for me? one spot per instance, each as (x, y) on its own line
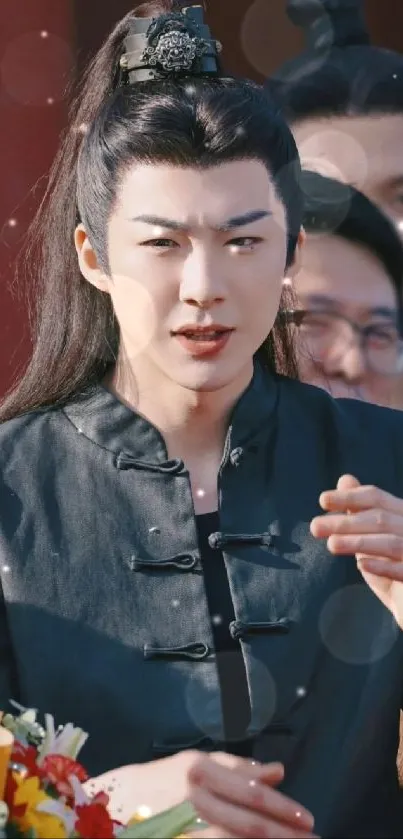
(367, 522)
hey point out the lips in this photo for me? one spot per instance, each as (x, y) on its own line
(210, 332)
(211, 335)
(203, 341)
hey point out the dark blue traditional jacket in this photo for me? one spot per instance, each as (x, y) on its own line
(105, 619)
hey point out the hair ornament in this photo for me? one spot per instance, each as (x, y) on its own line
(174, 44)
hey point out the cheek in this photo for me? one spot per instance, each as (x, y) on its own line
(263, 285)
(136, 312)
(259, 310)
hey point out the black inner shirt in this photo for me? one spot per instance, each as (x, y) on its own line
(230, 664)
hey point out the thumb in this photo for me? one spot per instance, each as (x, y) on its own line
(347, 482)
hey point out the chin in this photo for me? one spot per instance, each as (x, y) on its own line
(207, 377)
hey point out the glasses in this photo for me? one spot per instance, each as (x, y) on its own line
(323, 333)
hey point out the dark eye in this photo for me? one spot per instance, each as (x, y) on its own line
(160, 243)
(382, 335)
(245, 242)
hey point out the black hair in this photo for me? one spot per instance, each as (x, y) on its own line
(188, 122)
(341, 210)
(340, 73)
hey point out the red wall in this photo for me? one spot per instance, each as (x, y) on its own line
(36, 59)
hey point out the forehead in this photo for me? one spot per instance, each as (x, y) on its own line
(359, 150)
(182, 194)
(348, 273)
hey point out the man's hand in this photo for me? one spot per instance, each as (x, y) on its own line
(367, 522)
(237, 798)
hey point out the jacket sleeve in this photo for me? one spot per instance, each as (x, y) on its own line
(8, 675)
(8, 667)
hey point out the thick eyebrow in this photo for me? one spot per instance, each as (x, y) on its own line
(330, 303)
(319, 300)
(230, 224)
(383, 312)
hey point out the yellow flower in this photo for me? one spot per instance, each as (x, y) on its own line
(27, 797)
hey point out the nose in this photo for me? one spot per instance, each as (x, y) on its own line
(347, 363)
(202, 284)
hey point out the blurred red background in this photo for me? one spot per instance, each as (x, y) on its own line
(44, 44)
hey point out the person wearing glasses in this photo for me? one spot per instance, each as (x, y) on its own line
(349, 312)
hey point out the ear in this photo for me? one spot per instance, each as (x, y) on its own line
(88, 262)
(295, 266)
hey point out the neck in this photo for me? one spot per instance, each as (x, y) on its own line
(193, 422)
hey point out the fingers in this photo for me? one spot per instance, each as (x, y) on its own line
(272, 773)
(361, 520)
(367, 521)
(235, 820)
(236, 788)
(383, 568)
(269, 773)
(385, 545)
(347, 482)
(359, 498)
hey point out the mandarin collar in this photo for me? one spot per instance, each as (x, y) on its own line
(100, 415)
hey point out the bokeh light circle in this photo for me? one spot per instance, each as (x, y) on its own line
(36, 70)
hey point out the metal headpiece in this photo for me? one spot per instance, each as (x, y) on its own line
(172, 45)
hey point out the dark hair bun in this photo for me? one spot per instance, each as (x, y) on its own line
(329, 23)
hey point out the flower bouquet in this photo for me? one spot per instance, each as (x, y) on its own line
(42, 793)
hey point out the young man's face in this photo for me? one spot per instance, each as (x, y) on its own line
(193, 248)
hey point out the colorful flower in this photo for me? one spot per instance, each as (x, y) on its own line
(24, 812)
(80, 796)
(45, 795)
(94, 822)
(25, 727)
(26, 755)
(59, 809)
(58, 769)
(68, 741)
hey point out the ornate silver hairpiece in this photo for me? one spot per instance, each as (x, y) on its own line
(171, 45)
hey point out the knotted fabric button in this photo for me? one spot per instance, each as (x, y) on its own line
(236, 456)
(215, 541)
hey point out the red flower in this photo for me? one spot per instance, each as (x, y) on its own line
(57, 769)
(94, 822)
(10, 790)
(26, 755)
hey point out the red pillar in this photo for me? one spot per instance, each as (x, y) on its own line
(36, 62)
